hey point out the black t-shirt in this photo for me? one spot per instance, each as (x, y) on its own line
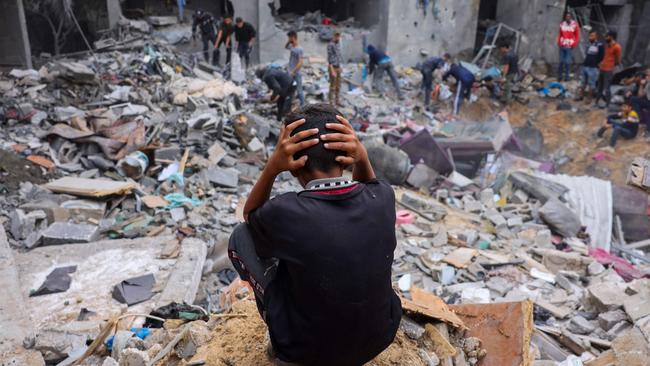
(511, 59)
(245, 33)
(227, 30)
(331, 302)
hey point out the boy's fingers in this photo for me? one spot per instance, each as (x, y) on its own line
(345, 160)
(337, 137)
(344, 121)
(293, 125)
(342, 146)
(339, 127)
(294, 148)
(297, 164)
(303, 135)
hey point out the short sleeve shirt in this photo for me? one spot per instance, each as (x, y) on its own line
(295, 54)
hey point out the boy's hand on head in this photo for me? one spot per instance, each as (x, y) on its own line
(345, 140)
(282, 158)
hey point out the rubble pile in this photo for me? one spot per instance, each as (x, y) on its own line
(124, 171)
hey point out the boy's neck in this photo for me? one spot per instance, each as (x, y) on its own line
(306, 176)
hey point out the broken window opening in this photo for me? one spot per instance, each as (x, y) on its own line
(355, 13)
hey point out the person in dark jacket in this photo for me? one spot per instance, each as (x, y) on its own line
(593, 56)
(282, 86)
(465, 80)
(427, 68)
(245, 36)
(205, 23)
(379, 64)
(625, 124)
(224, 37)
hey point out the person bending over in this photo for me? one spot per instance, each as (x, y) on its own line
(319, 260)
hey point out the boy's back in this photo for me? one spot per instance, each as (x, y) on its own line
(331, 301)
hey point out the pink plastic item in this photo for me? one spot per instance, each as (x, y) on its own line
(624, 268)
(404, 217)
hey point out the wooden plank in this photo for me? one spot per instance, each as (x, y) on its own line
(430, 305)
(90, 187)
(505, 330)
(441, 344)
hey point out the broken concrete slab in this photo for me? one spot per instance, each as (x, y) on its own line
(608, 319)
(67, 233)
(223, 177)
(637, 306)
(90, 187)
(631, 349)
(604, 297)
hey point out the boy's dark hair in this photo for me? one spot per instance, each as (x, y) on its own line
(292, 33)
(504, 44)
(316, 116)
(239, 20)
(628, 102)
(612, 33)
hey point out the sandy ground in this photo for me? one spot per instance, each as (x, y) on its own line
(571, 134)
(242, 341)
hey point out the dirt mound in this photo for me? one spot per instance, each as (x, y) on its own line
(15, 170)
(242, 341)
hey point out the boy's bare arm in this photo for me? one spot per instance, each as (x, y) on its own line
(346, 140)
(281, 160)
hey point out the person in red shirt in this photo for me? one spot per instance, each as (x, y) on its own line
(567, 40)
(611, 60)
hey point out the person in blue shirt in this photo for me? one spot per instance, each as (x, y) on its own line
(465, 80)
(379, 64)
(427, 68)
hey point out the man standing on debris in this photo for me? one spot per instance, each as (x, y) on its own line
(567, 40)
(205, 22)
(611, 59)
(379, 64)
(465, 80)
(319, 260)
(593, 56)
(245, 36)
(625, 124)
(224, 37)
(510, 70)
(296, 60)
(334, 66)
(282, 87)
(427, 68)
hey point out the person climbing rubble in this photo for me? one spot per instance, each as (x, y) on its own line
(296, 60)
(567, 40)
(245, 36)
(379, 64)
(509, 71)
(624, 124)
(334, 63)
(427, 68)
(593, 56)
(465, 80)
(206, 24)
(325, 294)
(282, 86)
(224, 37)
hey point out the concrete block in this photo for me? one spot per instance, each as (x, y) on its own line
(109, 361)
(412, 329)
(631, 349)
(609, 319)
(543, 239)
(580, 325)
(618, 329)
(178, 214)
(228, 177)
(486, 197)
(605, 297)
(68, 233)
(22, 224)
(499, 285)
(134, 357)
(637, 306)
(519, 197)
(496, 218)
(515, 221)
(168, 153)
(471, 205)
(421, 176)
(442, 194)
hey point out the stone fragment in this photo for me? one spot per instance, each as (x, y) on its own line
(486, 197)
(605, 297)
(618, 329)
(178, 214)
(56, 345)
(110, 361)
(223, 177)
(609, 319)
(543, 239)
(637, 306)
(580, 325)
(23, 224)
(133, 357)
(499, 285)
(595, 268)
(68, 233)
(421, 176)
(519, 197)
(515, 221)
(412, 329)
(631, 349)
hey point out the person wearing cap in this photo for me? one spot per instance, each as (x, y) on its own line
(245, 36)
(567, 40)
(611, 59)
(206, 24)
(427, 68)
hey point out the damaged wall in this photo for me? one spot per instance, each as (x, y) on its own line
(539, 20)
(448, 26)
(14, 40)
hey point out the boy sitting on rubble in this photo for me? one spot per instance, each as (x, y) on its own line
(319, 260)
(625, 124)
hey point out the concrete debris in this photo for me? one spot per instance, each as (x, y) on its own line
(133, 164)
